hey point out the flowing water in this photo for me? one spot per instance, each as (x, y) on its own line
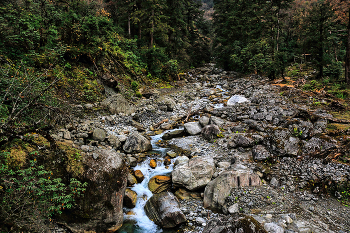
(137, 221)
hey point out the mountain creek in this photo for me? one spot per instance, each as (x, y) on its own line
(217, 152)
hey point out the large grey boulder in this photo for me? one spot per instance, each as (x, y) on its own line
(99, 134)
(204, 120)
(193, 128)
(218, 189)
(114, 141)
(102, 204)
(210, 132)
(163, 209)
(136, 143)
(181, 159)
(236, 99)
(228, 224)
(173, 134)
(118, 104)
(166, 102)
(195, 174)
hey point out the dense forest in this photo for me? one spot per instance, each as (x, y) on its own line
(56, 53)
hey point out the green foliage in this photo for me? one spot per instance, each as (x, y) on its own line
(26, 97)
(333, 70)
(245, 36)
(33, 193)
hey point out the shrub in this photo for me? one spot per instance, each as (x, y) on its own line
(32, 194)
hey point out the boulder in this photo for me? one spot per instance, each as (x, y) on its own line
(114, 141)
(118, 104)
(174, 134)
(240, 140)
(136, 143)
(163, 209)
(210, 132)
(181, 159)
(131, 180)
(184, 194)
(218, 189)
(193, 128)
(260, 153)
(158, 184)
(139, 176)
(153, 163)
(195, 174)
(171, 154)
(273, 228)
(99, 134)
(204, 120)
(103, 200)
(130, 198)
(228, 224)
(168, 102)
(217, 121)
(236, 99)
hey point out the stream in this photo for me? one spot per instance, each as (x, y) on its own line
(137, 221)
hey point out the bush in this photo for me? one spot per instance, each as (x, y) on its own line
(334, 70)
(31, 195)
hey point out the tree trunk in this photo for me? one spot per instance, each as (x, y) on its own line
(347, 59)
(129, 26)
(152, 29)
(320, 53)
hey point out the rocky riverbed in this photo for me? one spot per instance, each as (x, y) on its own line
(249, 156)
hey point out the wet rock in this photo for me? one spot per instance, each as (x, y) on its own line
(227, 224)
(184, 194)
(218, 189)
(195, 174)
(153, 163)
(174, 134)
(171, 154)
(167, 161)
(139, 176)
(131, 180)
(130, 198)
(193, 128)
(163, 209)
(158, 184)
(260, 153)
(204, 120)
(181, 159)
(118, 104)
(210, 132)
(99, 134)
(137, 143)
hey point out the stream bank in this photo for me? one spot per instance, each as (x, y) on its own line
(270, 160)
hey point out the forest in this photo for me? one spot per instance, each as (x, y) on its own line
(59, 53)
